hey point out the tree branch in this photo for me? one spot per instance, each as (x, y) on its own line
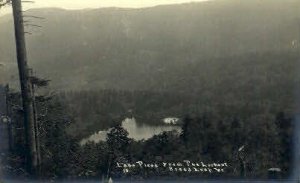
(4, 2)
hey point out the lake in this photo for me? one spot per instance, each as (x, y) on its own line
(136, 131)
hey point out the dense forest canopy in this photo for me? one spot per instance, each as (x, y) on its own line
(228, 69)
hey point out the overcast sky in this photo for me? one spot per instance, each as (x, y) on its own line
(80, 4)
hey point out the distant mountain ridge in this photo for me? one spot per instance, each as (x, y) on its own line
(159, 48)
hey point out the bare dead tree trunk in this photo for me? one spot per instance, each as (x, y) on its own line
(36, 124)
(31, 153)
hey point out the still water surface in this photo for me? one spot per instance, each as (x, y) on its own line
(136, 131)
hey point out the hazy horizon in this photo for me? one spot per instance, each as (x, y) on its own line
(80, 4)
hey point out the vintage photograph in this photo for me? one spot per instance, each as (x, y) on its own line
(149, 91)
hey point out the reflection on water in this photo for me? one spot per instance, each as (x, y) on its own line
(139, 132)
(136, 131)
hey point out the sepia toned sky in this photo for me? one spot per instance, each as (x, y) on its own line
(81, 4)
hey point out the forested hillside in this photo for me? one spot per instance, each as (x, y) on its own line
(229, 69)
(187, 47)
